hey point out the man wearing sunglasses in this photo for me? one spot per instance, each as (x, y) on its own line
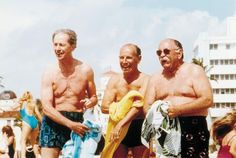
(187, 88)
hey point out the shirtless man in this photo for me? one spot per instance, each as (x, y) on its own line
(119, 85)
(67, 90)
(187, 88)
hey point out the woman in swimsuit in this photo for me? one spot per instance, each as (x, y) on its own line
(30, 128)
(224, 133)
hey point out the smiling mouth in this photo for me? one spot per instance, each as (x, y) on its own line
(125, 67)
(59, 53)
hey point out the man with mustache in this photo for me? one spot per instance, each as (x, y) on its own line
(188, 90)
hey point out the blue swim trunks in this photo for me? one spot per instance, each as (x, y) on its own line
(54, 135)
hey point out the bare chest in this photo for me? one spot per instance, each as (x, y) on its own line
(71, 85)
(176, 87)
(123, 88)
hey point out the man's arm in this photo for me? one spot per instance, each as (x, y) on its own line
(51, 112)
(109, 95)
(203, 91)
(91, 91)
(38, 114)
(150, 95)
(132, 114)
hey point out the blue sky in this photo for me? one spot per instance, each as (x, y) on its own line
(102, 27)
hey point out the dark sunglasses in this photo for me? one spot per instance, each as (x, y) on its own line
(165, 51)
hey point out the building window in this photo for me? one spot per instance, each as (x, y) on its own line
(225, 105)
(213, 46)
(227, 77)
(221, 62)
(226, 62)
(211, 62)
(231, 76)
(223, 76)
(8, 122)
(232, 91)
(227, 46)
(224, 91)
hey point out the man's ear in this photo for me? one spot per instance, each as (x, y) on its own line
(180, 53)
(139, 58)
(73, 47)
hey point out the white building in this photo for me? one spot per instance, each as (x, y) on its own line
(219, 52)
(7, 115)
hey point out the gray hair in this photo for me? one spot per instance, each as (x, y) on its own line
(72, 35)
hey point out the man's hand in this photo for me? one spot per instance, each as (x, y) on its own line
(79, 128)
(115, 133)
(87, 103)
(173, 111)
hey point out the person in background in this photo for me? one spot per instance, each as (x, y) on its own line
(131, 79)
(30, 116)
(4, 147)
(224, 134)
(67, 90)
(17, 130)
(187, 88)
(10, 139)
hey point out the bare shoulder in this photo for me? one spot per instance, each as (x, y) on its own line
(156, 76)
(145, 76)
(113, 81)
(50, 71)
(193, 69)
(84, 70)
(84, 67)
(115, 78)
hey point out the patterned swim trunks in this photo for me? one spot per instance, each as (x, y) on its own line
(194, 137)
(54, 135)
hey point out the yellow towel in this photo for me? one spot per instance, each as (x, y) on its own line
(117, 112)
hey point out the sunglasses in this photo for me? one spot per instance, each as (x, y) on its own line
(165, 51)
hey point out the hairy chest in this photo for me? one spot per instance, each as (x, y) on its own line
(73, 85)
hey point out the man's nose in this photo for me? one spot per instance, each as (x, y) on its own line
(57, 47)
(125, 60)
